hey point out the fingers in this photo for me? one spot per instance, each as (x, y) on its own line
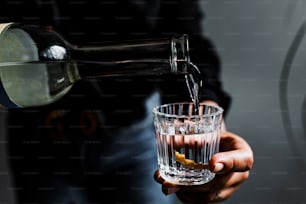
(167, 188)
(157, 177)
(207, 198)
(223, 181)
(225, 185)
(219, 190)
(222, 195)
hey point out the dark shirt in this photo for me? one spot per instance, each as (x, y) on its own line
(118, 100)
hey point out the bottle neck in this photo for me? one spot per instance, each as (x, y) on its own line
(140, 57)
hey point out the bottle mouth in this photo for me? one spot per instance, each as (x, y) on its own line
(179, 58)
(5, 26)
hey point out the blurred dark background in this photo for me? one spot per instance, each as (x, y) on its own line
(262, 47)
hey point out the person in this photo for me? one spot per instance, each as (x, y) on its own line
(95, 145)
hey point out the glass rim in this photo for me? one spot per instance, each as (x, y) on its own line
(219, 110)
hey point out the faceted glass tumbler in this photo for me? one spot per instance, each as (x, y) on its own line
(186, 139)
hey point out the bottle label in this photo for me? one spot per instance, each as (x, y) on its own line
(4, 26)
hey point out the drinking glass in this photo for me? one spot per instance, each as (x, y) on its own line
(187, 136)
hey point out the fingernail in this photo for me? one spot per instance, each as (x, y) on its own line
(218, 167)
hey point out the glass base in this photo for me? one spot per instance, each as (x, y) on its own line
(188, 178)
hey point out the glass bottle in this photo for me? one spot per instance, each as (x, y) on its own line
(38, 66)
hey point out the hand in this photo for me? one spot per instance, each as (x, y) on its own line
(231, 165)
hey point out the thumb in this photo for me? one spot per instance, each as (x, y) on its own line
(235, 161)
(235, 155)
